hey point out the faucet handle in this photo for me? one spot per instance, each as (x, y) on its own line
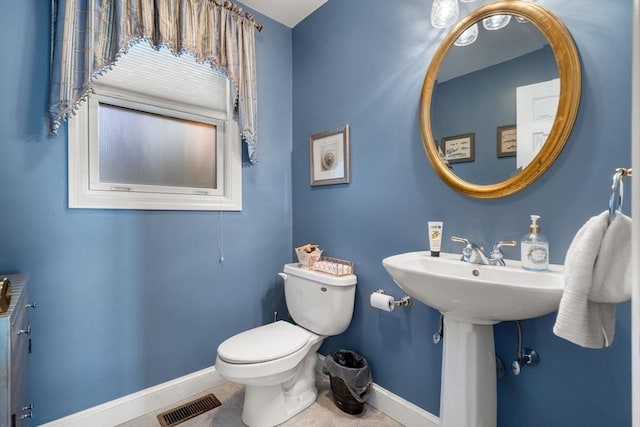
(459, 240)
(502, 243)
(466, 251)
(496, 256)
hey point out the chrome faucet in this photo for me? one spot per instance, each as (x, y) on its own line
(471, 252)
(474, 254)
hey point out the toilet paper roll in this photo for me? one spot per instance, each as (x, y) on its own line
(382, 301)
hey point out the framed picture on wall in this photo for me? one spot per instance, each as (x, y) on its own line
(459, 148)
(506, 141)
(329, 157)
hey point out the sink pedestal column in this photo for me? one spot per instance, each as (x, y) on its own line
(468, 394)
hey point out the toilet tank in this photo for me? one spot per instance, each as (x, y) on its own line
(319, 302)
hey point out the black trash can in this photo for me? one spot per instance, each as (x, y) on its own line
(350, 379)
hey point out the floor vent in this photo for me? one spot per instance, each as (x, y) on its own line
(188, 410)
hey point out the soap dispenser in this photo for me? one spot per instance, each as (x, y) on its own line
(534, 248)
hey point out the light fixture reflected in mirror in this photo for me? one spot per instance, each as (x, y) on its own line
(468, 36)
(444, 13)
(496, 22)
(467, 1)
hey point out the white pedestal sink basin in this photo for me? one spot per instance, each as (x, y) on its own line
(472, 299)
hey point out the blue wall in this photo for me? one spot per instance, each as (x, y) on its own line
(363, 62)
(130, 299)
(480, 102)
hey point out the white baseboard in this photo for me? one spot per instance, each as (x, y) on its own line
(392, 405)
(401, 410)
(132, 406)
(135, 405)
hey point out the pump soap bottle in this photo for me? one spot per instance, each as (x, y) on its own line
(534, 248)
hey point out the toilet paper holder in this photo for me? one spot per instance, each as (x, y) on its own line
(405, 301)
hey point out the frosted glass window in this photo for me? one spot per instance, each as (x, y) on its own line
(157, 132)
(141, 148)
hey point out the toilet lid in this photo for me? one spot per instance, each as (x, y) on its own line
(264, 343)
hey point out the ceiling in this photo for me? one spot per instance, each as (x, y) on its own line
(287, 12)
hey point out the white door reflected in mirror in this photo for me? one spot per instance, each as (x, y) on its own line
(537, 105)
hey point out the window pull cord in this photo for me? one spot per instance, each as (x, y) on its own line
(220, 240)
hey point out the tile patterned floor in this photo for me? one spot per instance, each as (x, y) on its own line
(323, 413)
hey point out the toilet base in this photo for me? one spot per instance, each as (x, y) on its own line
(267, 406)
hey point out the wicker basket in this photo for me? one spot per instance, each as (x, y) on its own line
(333, 266)
(305, 258)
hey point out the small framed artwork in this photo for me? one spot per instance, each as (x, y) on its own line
(329, 157)
(506, 141)
(459, 148)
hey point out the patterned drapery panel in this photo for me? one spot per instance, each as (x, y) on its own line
(90, 35)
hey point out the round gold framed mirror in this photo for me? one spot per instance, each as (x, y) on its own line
(477, 153)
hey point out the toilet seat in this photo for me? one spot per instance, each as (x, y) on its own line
(264, 343)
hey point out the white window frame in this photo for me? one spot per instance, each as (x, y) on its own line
(85, 190)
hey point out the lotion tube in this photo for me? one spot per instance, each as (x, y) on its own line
(435, 237)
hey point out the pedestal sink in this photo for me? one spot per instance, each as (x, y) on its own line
(472, 299)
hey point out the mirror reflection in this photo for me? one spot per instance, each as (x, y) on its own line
(495, 99)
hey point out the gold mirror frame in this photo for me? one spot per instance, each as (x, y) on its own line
(568, 62)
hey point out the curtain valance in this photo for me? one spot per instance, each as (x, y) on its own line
(90, 36)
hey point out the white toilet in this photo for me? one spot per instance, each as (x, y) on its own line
(277, 361)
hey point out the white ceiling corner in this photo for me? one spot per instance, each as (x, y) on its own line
(287, 12)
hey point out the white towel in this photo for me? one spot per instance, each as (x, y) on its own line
(597, 274)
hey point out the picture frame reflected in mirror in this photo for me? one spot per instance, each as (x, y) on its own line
(459, 148)
(506, 141)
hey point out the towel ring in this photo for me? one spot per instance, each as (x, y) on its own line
(617, 192)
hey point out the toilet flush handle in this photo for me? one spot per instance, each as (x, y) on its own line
(284, 276)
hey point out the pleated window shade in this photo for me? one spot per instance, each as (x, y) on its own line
(163, 75)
